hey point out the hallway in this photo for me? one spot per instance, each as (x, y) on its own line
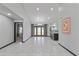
(35, 46)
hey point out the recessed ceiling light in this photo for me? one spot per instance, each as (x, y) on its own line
(39, 24)
(37, 9)
(9, 14)
(51, 9)
(48, 17)
(60, 9)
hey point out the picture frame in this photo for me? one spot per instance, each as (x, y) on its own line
(66, 25)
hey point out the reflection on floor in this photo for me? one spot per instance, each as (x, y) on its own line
(36, 46)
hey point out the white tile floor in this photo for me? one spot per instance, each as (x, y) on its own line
(40, 46)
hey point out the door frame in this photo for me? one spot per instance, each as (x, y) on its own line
(37, 30)
(15, 23)
(45, 30)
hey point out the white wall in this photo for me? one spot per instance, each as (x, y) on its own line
(70, 41)
(48, 29)
(19, 10)
(26, 29)
(6, 31)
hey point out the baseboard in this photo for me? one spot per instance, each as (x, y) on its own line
(67, 50)
(26, 40)
(6, 45)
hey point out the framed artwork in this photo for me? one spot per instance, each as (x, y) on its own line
(66, 26)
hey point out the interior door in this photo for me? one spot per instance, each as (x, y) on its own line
(43, 32)
(18, 31)
(38, 30)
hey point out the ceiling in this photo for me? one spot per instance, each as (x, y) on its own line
(29, 11)
(9, 13)
(37, 12)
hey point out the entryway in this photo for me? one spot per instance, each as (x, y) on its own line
(39, 30)
(18, 31)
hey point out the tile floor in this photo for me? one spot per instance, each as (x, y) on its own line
(35, 46)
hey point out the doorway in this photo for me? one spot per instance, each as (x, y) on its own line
(39, 30)
(18, 31)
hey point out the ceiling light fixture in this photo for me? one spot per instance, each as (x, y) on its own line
(37, 9)
(39, 24)
(9, 14)
(60, 9)
(48, 17)
(51, 9)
